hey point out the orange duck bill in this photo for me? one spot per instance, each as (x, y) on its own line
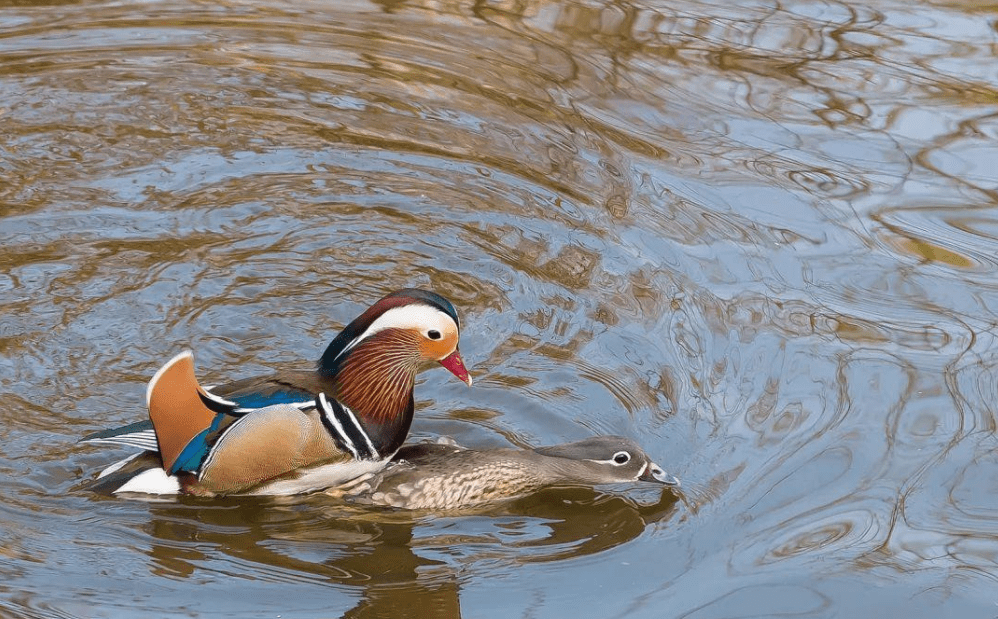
(455, 364)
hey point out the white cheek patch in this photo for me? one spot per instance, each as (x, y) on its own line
(416, 316)
(422, 317)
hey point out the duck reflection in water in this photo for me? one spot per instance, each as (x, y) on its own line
(391, 562)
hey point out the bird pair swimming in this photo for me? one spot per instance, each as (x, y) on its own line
(342, 423)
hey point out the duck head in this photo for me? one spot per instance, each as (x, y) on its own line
(372, 363)
(606, 459)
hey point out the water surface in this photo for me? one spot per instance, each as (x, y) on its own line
(759, 239)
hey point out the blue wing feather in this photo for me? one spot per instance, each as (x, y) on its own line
(261, 400)
(196, 450)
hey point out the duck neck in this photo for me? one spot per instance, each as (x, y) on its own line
(375, 380)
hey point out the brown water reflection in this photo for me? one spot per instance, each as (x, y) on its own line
(390, 563)
(759, 238)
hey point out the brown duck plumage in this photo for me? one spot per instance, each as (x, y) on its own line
(443, 477)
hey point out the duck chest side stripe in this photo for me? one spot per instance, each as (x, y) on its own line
(345, 429)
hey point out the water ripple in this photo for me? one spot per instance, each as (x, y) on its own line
(758, 238)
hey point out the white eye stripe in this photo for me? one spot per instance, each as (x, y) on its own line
(413, 316)
(613, 460)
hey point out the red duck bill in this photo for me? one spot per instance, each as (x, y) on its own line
(455, 364)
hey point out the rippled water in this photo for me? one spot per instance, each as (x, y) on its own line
(760, 239)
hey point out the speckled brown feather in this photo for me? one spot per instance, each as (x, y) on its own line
(445, 477)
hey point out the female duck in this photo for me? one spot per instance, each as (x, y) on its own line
(446, 477)
(291, 432)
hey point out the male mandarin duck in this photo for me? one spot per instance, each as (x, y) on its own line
(439, 476)
(290, 432)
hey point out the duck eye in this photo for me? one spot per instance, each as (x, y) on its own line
(621, 457)
(433, 334)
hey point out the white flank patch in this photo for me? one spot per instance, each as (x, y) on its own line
(153, 481)
(321, 477)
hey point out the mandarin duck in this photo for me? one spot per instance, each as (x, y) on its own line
(435, 476)
(294, 431)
